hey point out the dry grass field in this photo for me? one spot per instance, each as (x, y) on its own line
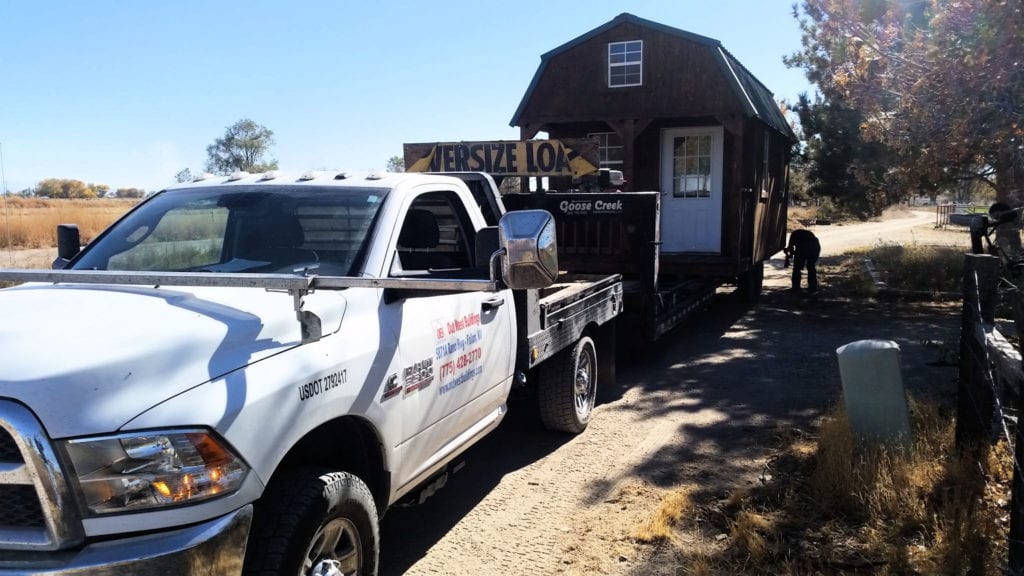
(32, 222)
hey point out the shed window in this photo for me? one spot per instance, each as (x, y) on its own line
(625, 63)
(609, 147)
(691, 156)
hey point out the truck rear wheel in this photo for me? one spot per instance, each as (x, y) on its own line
(315, 522)
(568, 388)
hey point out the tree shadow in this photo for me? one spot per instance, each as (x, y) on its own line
(737, 374)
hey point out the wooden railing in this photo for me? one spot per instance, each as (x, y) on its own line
(990, 379)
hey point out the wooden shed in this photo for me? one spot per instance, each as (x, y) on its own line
(677, 114)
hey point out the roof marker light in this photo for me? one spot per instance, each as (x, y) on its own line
(238, 175)
(268, 175)
(375, 175)
(204, 176)
(341, 176)
(309, 175)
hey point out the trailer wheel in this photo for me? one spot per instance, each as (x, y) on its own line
(751, 282)
(568, 388)
(315, 522)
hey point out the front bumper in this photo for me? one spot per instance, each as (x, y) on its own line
(216, 547)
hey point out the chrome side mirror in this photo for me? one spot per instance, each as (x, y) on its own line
(531, 255)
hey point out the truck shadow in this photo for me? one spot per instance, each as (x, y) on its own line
(772, 371)
(407, 533)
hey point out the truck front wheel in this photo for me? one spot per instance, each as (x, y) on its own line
(315, 522)
(568, 387)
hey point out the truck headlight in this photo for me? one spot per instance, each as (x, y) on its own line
(137, 471)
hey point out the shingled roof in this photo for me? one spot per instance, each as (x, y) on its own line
(758, 101)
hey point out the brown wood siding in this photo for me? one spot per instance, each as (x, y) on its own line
(684, 85)
(645, 164)
(769, 187)
(678, 74)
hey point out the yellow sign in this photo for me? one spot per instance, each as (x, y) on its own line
(574, 158)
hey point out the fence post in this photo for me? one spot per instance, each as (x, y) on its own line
(979, 224)
(976, 402)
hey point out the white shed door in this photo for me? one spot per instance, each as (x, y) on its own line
(691, 190)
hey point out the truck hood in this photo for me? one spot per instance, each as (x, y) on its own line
(87, 359)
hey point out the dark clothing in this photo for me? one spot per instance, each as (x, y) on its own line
(805, 249)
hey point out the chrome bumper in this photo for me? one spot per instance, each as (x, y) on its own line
(212, 548)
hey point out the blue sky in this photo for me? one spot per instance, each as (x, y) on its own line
(127, 93)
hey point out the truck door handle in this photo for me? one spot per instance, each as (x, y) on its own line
(493, 302)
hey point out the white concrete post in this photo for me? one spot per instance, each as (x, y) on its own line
(876, 404)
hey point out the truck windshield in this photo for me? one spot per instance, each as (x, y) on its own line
(259, 229)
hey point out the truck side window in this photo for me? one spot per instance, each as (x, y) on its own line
(435, 238)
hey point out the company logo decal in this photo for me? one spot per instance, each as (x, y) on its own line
(580, 207)
(391, 388)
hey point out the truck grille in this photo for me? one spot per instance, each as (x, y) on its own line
(36, 508)
(8, 448)
(19, 507)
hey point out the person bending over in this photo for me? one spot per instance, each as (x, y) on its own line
(804, 248)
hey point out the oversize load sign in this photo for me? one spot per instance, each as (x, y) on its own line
(506, 157)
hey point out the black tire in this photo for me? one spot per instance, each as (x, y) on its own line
(751, 282)
(312, 519)
(568, 388)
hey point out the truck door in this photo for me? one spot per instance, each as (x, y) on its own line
(456, 348)
(691, 188)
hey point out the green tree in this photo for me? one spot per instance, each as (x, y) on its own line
(130, 193)
(838, 163)
(62, 188)
(184, 175)
(395, 164)
(940, 84)
(244, 146)
(96, 190)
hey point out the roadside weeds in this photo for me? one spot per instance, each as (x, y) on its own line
(823, 506)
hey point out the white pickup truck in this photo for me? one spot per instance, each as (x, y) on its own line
(243, 373)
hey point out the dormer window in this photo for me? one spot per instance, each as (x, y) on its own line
(625, 63)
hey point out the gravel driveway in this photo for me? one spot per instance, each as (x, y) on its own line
(703, 407)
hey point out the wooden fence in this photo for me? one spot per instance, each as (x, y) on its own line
(956, 214)
(990, 379)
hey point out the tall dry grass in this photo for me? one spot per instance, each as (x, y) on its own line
(836, 507)
(935, 269)
(936, 510)
(32, 222)
(661, 526)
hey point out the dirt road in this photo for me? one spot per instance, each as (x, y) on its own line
(701, 408)
(908, 228)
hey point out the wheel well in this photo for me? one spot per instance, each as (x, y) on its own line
(347, 444)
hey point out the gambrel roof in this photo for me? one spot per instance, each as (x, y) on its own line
(757, 100)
